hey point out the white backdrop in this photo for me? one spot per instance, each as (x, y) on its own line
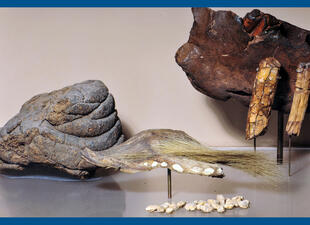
(132, 51)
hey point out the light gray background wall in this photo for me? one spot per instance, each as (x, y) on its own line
(132, 51)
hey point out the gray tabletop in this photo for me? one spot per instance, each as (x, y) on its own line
(127, 195)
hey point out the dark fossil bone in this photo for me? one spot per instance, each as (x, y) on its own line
(224, 50)
(53, 128)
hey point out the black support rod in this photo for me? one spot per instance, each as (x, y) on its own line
(280, 138)
(169, 183)
(289, 154)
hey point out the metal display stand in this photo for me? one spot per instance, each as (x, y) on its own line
(280, 143)
(289, 154)
(169, 184)
(254, 143)
(280, 138)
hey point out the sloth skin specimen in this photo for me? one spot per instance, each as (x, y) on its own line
(54, 128)
(223, 50)
(178, 151)
(264, 90)
(300, 100)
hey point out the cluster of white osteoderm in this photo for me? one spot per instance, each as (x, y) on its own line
(220, 204)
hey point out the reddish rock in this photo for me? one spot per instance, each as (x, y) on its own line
(224, 50)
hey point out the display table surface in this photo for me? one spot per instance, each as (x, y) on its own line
(127, 195)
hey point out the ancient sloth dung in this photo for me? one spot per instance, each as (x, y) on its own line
(54, 128)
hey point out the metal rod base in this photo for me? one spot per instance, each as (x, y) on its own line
(280, 138)
(289, 154)
(169, 184)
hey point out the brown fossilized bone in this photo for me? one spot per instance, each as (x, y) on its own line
(178, 151)
(264, 90)
(300, 100)
(223, 51)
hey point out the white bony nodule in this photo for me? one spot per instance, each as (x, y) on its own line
(196, 169)
(208, 171)
(164, 164)
(177, 168)
(154, 164)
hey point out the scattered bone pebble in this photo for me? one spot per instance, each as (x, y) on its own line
(152, 208)
(244, 204)
(221, 199)
(190, 207)
(229, 204)
(180, 204)
(169, 210)
(160, 209)
(220, 209)
(206, 208)
(165, 205)
(236, 199)
(220, 204)
(173, 206)
(214, 203)
(200, 204)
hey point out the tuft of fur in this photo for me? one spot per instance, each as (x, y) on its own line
(166, 143)
(254, 163)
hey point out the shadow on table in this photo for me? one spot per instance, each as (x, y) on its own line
(54, 197)
(199, 184)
